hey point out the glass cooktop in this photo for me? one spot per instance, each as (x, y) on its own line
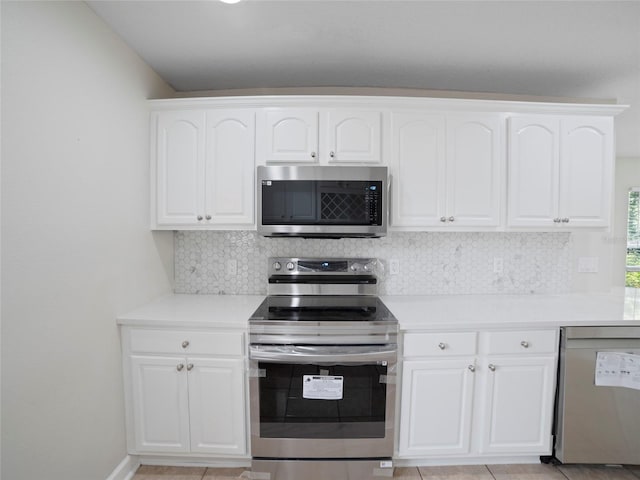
(315, 308)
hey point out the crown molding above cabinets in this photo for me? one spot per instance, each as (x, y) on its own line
(455, 164)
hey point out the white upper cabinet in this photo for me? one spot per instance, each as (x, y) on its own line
(446, 170)
(454, 164)
(417, 169)
(560, 171)
(179, 165)
(319, 136)
(354, 136)
(475, 161)
(289, 135)
(230, 171)
(204, 169)
(586, 171)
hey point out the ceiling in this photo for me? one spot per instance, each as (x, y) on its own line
(545, 48)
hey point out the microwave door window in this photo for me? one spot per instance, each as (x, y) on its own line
(289, 202)
(302, 204)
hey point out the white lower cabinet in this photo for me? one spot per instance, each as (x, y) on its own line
(475, 394)
(438, 393)
(191, 403)
(518, 399)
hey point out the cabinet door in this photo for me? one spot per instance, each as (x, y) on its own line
(417, 169)
(353, 136)
(179, 155)
(587, 157)
(474, 170)
(518, 409)
(230, 160)
(217, 406)
(289, 135)
(436, 407)
(534, 156)
(160, 404)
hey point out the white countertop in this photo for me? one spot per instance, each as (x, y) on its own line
(621, 307)
(220, 311)
(429, 312)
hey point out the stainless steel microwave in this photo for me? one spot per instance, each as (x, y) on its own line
(322, 201)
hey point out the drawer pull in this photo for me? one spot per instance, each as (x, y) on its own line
(180, 367)
(472, 368)
(525, 344)
(189, 367)
(442, 346)
(185, 344)
(492, 367)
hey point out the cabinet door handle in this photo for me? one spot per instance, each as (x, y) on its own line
(451, 219)
(556, 220)
(185, 344)
(565, 220)
(492, 367)
(208, 217)
(332, 154)
(525, 344)
(472, 368)
(189, 367)
(180, 367)
(199, 218)
(443, 219)
(313, 154)
(442, 346)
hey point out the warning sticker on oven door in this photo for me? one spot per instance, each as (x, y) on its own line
(322, 387)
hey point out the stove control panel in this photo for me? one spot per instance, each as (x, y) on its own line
(319, 266)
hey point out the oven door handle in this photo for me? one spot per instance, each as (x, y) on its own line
(323, 354)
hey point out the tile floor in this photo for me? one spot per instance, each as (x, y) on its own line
(473, 472)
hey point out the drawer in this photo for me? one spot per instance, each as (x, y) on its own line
(440, 344)
(526, 341)
(187, 342)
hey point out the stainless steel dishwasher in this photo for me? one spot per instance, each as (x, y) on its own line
(595, 423)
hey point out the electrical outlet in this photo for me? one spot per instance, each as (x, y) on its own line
(394, 267)
(498, 265)
(232, 267)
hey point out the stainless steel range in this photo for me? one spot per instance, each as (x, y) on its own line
(323, 354)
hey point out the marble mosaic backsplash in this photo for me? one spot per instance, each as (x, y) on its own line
(430, 263)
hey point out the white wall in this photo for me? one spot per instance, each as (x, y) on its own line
(76, 247)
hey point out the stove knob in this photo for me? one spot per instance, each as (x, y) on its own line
(290, 266)
(367, 267)
(354, 267)
(276, 266)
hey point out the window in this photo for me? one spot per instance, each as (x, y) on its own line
(633, 239)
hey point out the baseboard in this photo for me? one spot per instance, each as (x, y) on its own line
(126, 469)
(465, 460)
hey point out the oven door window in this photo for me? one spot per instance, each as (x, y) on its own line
(286, 413)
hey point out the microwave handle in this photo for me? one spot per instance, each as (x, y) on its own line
(322, 354)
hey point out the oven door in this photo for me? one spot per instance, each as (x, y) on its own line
(316, 401)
